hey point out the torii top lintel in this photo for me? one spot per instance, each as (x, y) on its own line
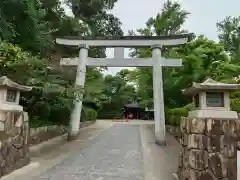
(125, 41)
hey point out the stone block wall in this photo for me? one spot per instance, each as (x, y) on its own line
(14, 151)
(209, 149)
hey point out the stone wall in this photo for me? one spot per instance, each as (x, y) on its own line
(209, 149)
(62, 129)
(45, 129)
(40, 134)
(14, 151)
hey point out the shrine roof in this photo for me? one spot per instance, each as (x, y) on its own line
(5, 81)
(132, 105)
(210, 84)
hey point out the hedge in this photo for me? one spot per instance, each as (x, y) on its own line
(173, 116)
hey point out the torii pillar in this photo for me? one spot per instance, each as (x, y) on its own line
(74, 123)
(158, 97)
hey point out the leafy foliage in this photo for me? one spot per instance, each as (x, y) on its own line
(117, 93)
(49, 98)
(229, 35)
(174, 115)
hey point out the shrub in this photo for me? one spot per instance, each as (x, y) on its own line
(35, 122)
(89, 114)
(235, 101)
(173, 116)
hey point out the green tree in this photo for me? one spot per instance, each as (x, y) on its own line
(168, 22)
(117, 93)
(25, 20)
(229, 36)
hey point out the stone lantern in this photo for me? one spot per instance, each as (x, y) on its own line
(10, 110)
(211, 100)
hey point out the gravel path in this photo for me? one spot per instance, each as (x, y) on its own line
(114, 155)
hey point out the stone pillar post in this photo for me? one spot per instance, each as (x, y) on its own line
(80, 81)
(159, 115)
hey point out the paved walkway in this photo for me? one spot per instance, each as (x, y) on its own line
(160, 162)
(114, 155)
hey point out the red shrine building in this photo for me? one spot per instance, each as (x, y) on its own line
(134, 111)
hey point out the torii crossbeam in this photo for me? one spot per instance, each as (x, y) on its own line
(121, 62)
(119, 43)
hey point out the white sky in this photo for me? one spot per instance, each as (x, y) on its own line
(202, 19)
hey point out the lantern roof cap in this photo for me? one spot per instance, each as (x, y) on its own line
(6, 82)
(210, 84)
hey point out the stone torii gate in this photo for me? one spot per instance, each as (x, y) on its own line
(119, 43)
